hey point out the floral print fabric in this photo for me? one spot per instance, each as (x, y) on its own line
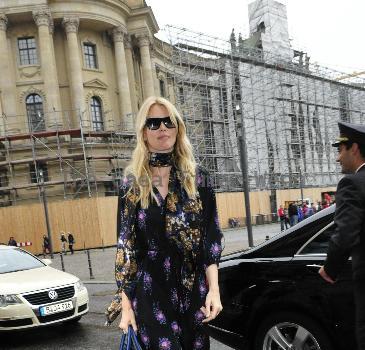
(163, 252)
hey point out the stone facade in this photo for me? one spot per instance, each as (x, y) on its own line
(56, 36)
(66, 65)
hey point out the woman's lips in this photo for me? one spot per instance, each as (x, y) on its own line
(162, 137)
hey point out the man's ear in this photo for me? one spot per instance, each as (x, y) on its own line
(355, 148)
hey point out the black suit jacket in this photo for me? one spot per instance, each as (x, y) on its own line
(349, 238)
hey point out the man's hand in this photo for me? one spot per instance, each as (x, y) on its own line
(324, 275)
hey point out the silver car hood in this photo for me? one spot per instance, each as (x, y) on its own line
(34, 279)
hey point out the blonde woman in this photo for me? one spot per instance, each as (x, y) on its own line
(169, 238)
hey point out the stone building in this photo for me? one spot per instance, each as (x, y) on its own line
(72, 76)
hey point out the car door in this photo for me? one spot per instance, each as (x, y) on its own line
(334, 303)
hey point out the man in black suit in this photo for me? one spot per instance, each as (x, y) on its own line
(349, 238)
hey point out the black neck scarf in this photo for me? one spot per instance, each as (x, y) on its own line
(161, 159)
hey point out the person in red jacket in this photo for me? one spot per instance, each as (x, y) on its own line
(283, 219)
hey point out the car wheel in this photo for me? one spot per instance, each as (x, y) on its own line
(291, 332)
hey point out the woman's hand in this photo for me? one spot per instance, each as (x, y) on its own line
(213, 305)
(128, 317)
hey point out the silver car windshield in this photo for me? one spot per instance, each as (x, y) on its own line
(12, 260)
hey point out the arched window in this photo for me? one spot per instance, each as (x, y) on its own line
(96, 114)
(34, 105)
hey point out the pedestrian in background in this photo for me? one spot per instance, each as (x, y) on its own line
(349, 237)
(319, 206)
(233, 222)
(305, 209)
(12, 242)
(46, 246)
(314, 209)
(283, 219)
(300, 213)
(63, 242)
(71, 242)
(293, 214)
(169, 237)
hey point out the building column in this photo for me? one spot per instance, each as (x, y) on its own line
(130, 70)
(144, 43)
(156, 81)
(7, 82)
(44, 22)
(71, 25)
(125, 106)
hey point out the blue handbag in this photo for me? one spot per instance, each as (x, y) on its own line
(129, 341)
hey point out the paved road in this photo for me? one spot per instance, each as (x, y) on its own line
(102, 262)
(90, 332)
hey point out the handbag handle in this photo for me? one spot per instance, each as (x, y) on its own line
(129, 341)
(125, 341)
(135, 341)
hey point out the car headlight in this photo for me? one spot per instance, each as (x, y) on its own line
(10, 299)
(79, 286)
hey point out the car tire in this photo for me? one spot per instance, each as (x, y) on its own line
(287, 328)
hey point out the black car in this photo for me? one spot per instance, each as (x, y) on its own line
(273, 297)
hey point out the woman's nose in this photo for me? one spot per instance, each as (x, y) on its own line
(163, 126)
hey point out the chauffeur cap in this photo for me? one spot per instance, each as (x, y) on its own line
(350, 133)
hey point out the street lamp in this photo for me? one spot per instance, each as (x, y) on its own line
(44, 200)
(301, 184)
(245, 180)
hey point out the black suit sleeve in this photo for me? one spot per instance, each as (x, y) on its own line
(348, 220)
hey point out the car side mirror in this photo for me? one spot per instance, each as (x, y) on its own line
(47, 261)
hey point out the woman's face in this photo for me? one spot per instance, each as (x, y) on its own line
(163, 138)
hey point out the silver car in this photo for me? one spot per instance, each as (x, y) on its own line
(33, 294)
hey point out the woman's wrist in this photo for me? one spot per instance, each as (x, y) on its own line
(214, 289)
(126, 305)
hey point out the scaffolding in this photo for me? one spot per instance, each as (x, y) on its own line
(289, 107)
(75, 160)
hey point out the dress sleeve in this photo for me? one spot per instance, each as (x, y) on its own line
(213, 234)
(125, 261)
(348, 220)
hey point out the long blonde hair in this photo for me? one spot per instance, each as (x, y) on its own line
(183, 153)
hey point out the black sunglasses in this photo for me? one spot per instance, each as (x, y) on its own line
(155, 123)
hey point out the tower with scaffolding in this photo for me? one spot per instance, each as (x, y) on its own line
(289, 106)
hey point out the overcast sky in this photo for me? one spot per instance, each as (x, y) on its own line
(331, 31)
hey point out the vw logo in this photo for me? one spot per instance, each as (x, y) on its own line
(52, 294)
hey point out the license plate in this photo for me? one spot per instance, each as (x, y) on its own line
(55, 308)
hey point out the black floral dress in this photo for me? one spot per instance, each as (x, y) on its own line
(163, 252)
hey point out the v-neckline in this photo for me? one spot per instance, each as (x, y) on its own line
(159, 195)
(169, 186)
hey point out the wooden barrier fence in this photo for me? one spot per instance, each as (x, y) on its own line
(93, 221)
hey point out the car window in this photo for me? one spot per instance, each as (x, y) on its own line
(319, 244)
(12, 260)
